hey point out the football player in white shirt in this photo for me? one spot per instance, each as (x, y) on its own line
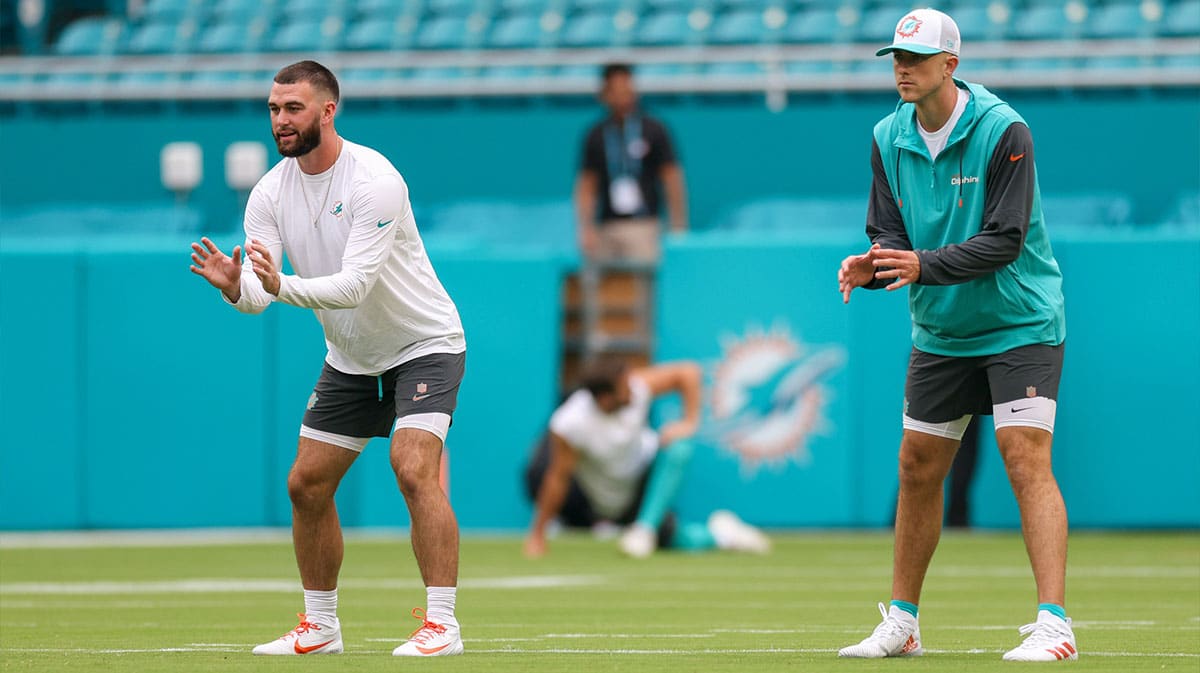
(603, 449)
(340, 213)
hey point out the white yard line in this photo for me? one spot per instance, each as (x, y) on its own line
(230, 647)
(239, 585)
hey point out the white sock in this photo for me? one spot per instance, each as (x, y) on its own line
(320, 607)
(439, 605)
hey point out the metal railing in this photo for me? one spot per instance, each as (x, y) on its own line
(853, 67)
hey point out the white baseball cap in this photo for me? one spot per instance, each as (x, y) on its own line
(924, 31)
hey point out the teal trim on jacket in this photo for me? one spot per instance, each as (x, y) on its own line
(942, 203)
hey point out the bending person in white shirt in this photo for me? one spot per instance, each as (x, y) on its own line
(396, 351)
(601, 446)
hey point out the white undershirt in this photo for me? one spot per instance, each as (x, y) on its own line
(936, 140)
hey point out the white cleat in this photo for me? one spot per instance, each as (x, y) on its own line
(638, 541)
(431, 640)
(1050, 638)
(898, 635)
(733, 533)
(307, 638)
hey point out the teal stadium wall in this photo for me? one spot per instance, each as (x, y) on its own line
(132, 397)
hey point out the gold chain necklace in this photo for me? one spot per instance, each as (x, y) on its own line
(328, 186)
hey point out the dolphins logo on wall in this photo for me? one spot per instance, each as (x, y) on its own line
(768, 395)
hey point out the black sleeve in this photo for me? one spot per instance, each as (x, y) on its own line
(1006, 211)
(661, 149)
(885, 226)
(593, 150)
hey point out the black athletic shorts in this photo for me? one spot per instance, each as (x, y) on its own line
(367, 406)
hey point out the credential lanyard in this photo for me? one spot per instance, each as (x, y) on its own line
(616, 149)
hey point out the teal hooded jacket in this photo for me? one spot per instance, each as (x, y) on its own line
(989, 281)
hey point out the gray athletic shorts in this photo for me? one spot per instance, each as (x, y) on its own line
(1018, 387)
(352, 405)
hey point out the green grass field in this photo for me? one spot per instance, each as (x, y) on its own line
(1135, 599)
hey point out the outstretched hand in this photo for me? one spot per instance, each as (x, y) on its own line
(220, 270)
(878, 263)
(264, 266)
(856, 271)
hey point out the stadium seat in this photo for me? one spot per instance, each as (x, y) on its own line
(145, 80)
(226, 10)
(811, 67)
(218, 78)
(233, 37)
(513, 72)
(663, 71)
(1043, 22)
(380, 33)
(1181, 19)
(1120, 20)
(437, 74)
(443, 32)
(1181, 62)
(878, 24)
(978, 22)
(366, 75)
(743, 25)
(162, 11)
(577, 72)
(1102, 63)
(519, 31)
(597, 29)
(450, 7)
(656, 6)
(814, 25)
(313, 10)
(735, 69)
(511, 7)
(386, 9)
(90, 36)
(308, 35)
(672, 27)
(589, 6)
(161, 38)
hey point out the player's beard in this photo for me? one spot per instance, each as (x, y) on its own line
(306, 140)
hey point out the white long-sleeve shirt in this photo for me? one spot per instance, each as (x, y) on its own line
(361, 266)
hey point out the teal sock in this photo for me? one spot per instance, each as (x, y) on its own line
(693, 537)
(910, 608)
(665, 479)
(1054, 609)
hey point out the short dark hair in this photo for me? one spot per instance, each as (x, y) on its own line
(600, 377)
(613, 69)
(312, 72)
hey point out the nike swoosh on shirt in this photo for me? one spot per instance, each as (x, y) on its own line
(384, 223)
(418, 398)
(432, 650)
(1011, 157)
(305, 650)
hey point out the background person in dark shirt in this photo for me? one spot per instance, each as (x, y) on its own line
(626, 158)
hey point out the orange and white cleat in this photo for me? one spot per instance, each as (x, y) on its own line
(898, 635)
(307, 638)
(1050, 638)
(431, 639)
